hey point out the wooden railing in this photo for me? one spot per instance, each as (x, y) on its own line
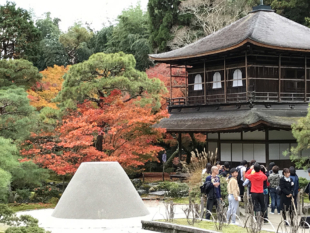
(292, 97)
(265, 96)
(239, 97)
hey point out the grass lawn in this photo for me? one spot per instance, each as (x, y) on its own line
(210, 226)
(184, 200)
(30, 206)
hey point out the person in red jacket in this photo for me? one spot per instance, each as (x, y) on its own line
(257, 179)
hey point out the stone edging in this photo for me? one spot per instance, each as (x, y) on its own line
(171, 228)
(166, 227)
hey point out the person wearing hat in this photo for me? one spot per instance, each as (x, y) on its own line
(233, 195)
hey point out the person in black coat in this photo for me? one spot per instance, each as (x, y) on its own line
(287, 189)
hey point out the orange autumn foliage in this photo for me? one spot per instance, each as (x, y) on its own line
(124, 129)
(162, 72)
(43, 92)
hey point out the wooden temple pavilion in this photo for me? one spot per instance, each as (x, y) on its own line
(245, 85)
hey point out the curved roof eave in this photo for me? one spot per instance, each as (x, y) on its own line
(230, 48)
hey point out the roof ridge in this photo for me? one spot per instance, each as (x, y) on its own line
(256, 22)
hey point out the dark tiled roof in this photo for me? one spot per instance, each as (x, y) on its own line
(212, 120)
(262, 27)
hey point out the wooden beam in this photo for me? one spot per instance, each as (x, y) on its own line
(225, 82)
(280, 74)
(186, 85)
(170, 84)
(246, 76)
(204, 83)
(305, 78)
(267, 146)
(180, 145)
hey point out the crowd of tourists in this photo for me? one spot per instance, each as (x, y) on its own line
(261, 185)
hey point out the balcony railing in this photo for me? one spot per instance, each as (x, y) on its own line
(239, 98)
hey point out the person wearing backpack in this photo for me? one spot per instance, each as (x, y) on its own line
(257, 186)
(295, 179)
(213, 190)
(270, 166)
(240, 178)
(233, 195)
(274, 180)
(287, 190)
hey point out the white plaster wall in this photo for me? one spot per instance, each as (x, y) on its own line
(300, 173)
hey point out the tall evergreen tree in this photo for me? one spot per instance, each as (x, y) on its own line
(75, 43)
(131, 36)
(52, 51)
(19, 38)
(296, 10)
(163, 15)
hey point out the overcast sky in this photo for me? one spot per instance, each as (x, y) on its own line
(97, 12)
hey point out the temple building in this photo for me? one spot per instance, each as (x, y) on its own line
(245, 85)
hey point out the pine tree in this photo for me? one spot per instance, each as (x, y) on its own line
(19, 38)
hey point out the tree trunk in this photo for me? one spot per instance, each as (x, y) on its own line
(169, 161)
(99, 142)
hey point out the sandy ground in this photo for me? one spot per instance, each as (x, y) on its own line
(129, 225)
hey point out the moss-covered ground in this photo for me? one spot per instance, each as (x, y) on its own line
(30, 206)
(210, 226)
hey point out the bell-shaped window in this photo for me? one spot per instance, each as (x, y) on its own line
(237, 78)
(198, 83)
(217, 81)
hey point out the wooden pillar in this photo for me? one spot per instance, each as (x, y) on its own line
(225, 81)
(170, 85)
(180, 145)
(267, 146)
(280, 74)
(204, 83)
(186, 85)
(246, 76)
(219, 147)
(306, 79)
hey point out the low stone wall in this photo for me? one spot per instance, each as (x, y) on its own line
(171, 228)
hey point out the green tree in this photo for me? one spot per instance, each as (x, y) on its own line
(28, 175)
(52, 51)
(100, 39)
(163, 15)
(95, 78)
(301, 132)
(18, 73)
(296, 10)
(131, 36)
(75, 43)
(19, 38)
(17, 117)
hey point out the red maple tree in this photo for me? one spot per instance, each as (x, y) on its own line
(125, 129)
(162, 72)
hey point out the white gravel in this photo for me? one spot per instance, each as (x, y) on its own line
(128, 225)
